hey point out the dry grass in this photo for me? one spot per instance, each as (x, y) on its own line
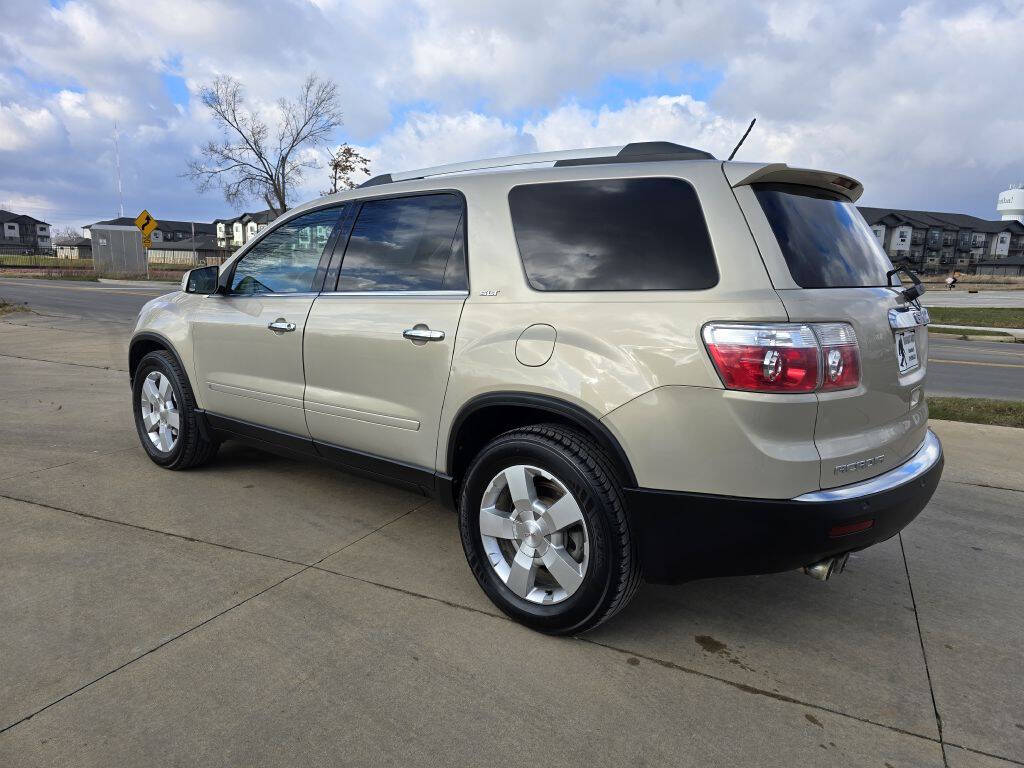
(9, 307)
(981, 282)
(977, 410)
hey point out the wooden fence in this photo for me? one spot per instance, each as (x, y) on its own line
(22, 261)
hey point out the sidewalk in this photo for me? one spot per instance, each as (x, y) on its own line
(168, 284)
(1017, 333)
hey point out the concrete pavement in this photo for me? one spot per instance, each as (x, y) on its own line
(1017, 334)
(267, 612)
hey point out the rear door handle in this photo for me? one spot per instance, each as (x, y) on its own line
(422, 333)
(281, 326)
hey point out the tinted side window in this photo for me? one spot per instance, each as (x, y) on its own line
(455, 278)
(402, 244)
(613, 235)
(286, 260)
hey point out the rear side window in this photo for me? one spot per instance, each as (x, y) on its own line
(824, 238)
(405, 244)
(613, 235)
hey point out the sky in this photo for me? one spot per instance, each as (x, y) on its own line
(920, 101)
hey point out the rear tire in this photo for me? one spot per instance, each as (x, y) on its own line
(166, 416)
(545, 530)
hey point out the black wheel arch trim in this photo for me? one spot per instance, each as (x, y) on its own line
(574, 413)
(166, 344)
(160, 339)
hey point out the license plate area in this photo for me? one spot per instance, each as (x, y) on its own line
(906, 350)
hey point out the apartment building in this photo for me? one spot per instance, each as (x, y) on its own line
(930, 241)
(167, 231)
(231, 233)
(21, 230)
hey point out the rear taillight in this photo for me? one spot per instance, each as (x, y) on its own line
(764, 358)
(840, 356)
(784, 357)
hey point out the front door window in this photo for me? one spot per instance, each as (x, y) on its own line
(286, 259)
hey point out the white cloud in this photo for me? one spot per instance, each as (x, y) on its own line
(23, 127)
(919, 100)
(426, 139)
(658, 118)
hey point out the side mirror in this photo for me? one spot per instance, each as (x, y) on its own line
(203, 280)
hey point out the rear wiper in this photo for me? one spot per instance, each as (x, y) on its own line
(911, 293)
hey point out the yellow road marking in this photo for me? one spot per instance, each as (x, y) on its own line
(974, 362)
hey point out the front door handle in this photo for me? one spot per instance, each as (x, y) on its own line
(281, 326)
(422, 333)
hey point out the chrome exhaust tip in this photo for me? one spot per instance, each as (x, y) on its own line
(823, 570)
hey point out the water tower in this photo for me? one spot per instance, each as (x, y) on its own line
(1011, 204)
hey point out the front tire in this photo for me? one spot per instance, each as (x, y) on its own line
(166, 417)
(545, 530)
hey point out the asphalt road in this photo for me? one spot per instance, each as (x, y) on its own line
(975, 369)
(90, 301)
(960, 368)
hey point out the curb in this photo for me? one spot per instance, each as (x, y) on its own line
(140, 283)
(974, 337)
(977, 333)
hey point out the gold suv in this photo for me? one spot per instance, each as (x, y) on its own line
(615, 364)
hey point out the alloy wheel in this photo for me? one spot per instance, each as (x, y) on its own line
(534, 534)
(160, 416)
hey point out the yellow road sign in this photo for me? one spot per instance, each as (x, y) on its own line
(147, 241)
(146, 223)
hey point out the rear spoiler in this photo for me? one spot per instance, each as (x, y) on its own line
(740, 174)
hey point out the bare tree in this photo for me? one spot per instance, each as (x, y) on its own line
(342, 165)
(255, 161)
(66, 235)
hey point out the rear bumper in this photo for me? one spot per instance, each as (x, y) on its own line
(687, 536)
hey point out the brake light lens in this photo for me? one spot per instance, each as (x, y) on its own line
(764, 358)
(784, 357)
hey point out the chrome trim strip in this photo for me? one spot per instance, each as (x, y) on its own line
(367, 417)
(254, 394)
(393, 294)
(908, 318)
(283, 295)
(504, 162)
(297, 295)
(923, 459)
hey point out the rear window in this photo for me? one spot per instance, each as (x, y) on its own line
(825, 240)
(613, 235)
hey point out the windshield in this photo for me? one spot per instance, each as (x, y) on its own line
(824, 238)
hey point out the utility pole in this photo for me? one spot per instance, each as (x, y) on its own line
(194, 243)
(117, 165)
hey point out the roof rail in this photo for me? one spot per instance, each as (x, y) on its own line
(637, 152)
